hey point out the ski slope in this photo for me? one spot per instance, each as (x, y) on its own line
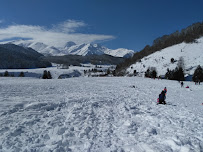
(99, 115)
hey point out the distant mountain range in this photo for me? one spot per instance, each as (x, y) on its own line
(21, 57)
(71, 48)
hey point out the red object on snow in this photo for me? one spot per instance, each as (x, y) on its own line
(187, 87)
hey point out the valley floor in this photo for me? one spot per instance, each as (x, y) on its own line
(99, 115)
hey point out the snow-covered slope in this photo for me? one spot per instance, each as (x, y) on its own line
(99, 115)
(39, 47)
(192, 54)
(74, 49)
(85, 49)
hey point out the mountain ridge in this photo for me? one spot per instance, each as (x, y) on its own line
(71, 48)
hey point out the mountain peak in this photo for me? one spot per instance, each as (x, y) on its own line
(69, 44)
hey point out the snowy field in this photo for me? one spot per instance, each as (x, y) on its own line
(99, 115)
(56, 72)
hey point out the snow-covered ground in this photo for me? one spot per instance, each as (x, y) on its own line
(99, 115)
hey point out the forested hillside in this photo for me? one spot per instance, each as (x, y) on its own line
(187, 35)
(16, 57)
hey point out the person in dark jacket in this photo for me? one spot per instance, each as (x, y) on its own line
(162, 98)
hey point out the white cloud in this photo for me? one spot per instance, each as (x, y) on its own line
(58, 35)
(68, 26)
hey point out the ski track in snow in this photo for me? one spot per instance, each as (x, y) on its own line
(99, 115)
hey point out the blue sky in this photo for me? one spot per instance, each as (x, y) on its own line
(130, 24)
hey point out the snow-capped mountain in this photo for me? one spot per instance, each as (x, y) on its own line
(192, 54)
(86, 49)
(39, 47)
(121, 52)
(73, 49)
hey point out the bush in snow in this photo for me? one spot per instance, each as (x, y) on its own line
(6, 74)
(172, 60)
(21, 74)
(198, 74)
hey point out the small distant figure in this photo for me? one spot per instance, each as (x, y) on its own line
(162, 98)
(181, 84)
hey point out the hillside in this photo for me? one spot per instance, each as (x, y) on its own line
(17, 57)
(192, 54)
(78, 59)
(117, 114)
(188, 35)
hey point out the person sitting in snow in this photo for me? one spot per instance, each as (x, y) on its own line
(165, 90)
(162, 98)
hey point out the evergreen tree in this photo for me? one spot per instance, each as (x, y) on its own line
(108, 71)
(45, 75)
(49, 75)
(198, 74)
(147, 73)
(154, 73)
(135, 72)
(179, 74)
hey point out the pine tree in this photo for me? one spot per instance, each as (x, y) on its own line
(49, 75)
(108, 71)
(45, 75)
(154, 73)
(198, 74)
(147, 73)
